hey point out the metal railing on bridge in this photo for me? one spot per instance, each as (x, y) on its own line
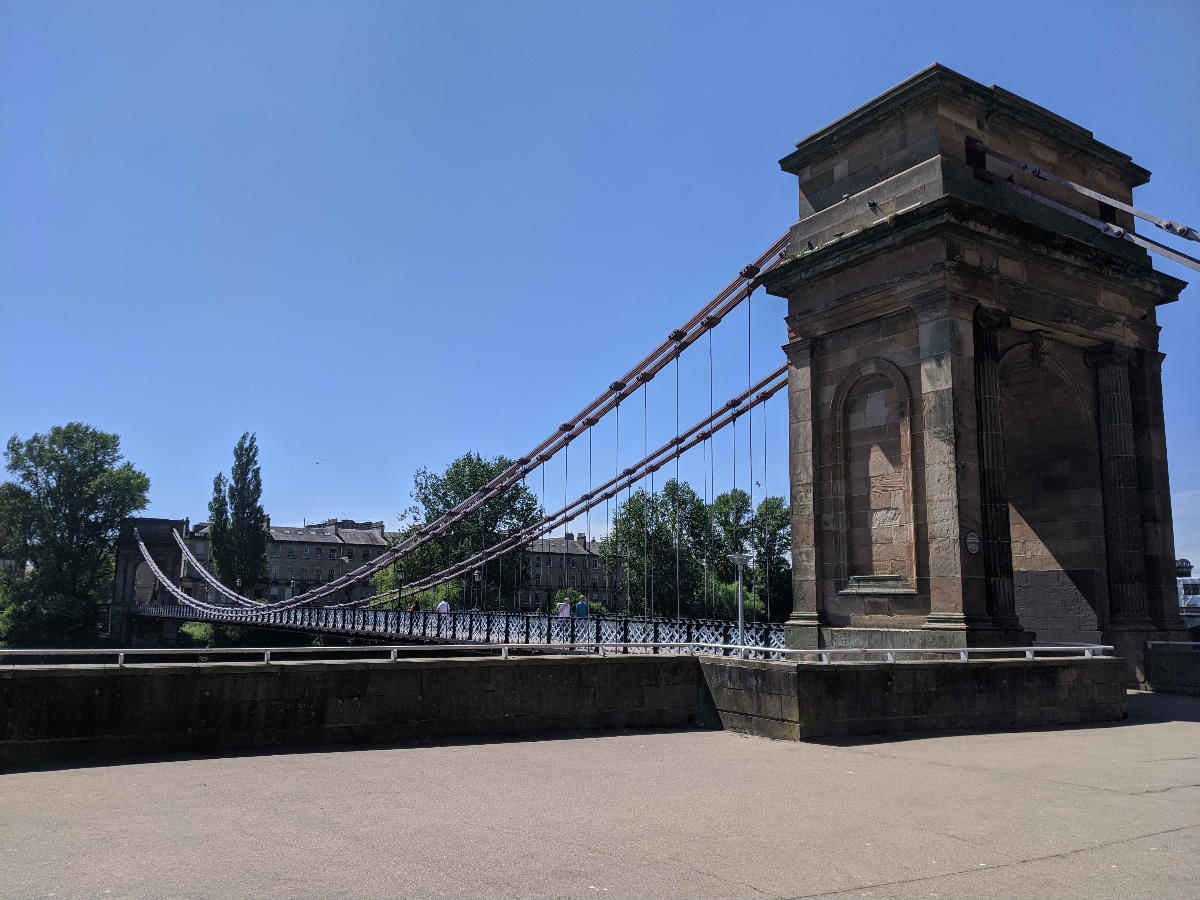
(831, 656)
(492, 627)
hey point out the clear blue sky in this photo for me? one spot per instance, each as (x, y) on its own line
(381, 234)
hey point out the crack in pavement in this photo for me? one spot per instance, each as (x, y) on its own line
(1173, 787)
(987, 868)
(722, 878)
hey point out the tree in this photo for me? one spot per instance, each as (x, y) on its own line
(238, 524)
(643, 542)
(771, 540)
(62, 511)
(732, 521)
(436, 494)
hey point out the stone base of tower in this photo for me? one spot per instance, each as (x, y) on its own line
(1129, 643)
(822, 637)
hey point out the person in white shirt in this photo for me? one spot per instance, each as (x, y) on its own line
(444, 606)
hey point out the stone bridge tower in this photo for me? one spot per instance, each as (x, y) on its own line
(976, 423)
(132, 571)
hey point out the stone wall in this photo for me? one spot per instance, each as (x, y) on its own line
(57, 713)
(798, 701)
(1173, 670)
(74, 712)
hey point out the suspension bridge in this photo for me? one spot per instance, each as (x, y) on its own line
(926, 366)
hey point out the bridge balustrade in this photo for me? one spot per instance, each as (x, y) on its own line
(476, 626)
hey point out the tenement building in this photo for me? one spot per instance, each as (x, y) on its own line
(300, 557)
(548, 565)
(977, 442)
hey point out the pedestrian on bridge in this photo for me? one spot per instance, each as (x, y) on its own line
(564, 608)
(581, 608)
(443, 608)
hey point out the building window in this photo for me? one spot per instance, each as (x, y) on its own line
(303, 574)
(318, 553)
(537, 580)
(574, 564)
(350, 553)
(274, 572)
(275, 551)
(304, 552)
(330, 576)
(199, 549)
(289, 572)
(595, 564)
(366, 555)
(538, 562)
(572, 581)
(291, 552)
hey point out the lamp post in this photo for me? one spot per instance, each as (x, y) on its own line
(740, 560)
(478, 583)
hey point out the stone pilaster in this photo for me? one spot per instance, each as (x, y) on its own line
(1155, 491)
(1118, 465)
(802, 625)
(996, 545)
(957, 594)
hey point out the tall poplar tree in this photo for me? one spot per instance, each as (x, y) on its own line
(238, 524)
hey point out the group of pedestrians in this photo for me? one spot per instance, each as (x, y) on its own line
(580, 610)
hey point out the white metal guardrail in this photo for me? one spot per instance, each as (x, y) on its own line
(394, 653)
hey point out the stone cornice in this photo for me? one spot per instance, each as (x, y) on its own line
(995, 101)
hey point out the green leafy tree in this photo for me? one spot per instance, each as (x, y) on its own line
(62, 511)
(238, 524)
(438, 493)
(645, 530)
(771, 541)
(732, 523)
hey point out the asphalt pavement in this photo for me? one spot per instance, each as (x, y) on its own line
(1103, 811)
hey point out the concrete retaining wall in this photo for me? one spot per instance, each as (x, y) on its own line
(1173, 670)
(807, 700)
(74, 712)
(51, 714)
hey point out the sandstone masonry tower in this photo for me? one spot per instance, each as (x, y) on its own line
(977, 444)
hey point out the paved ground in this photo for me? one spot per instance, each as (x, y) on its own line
(1090, 812)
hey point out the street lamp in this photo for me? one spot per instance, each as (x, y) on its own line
(740, 560)
(478, 581)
